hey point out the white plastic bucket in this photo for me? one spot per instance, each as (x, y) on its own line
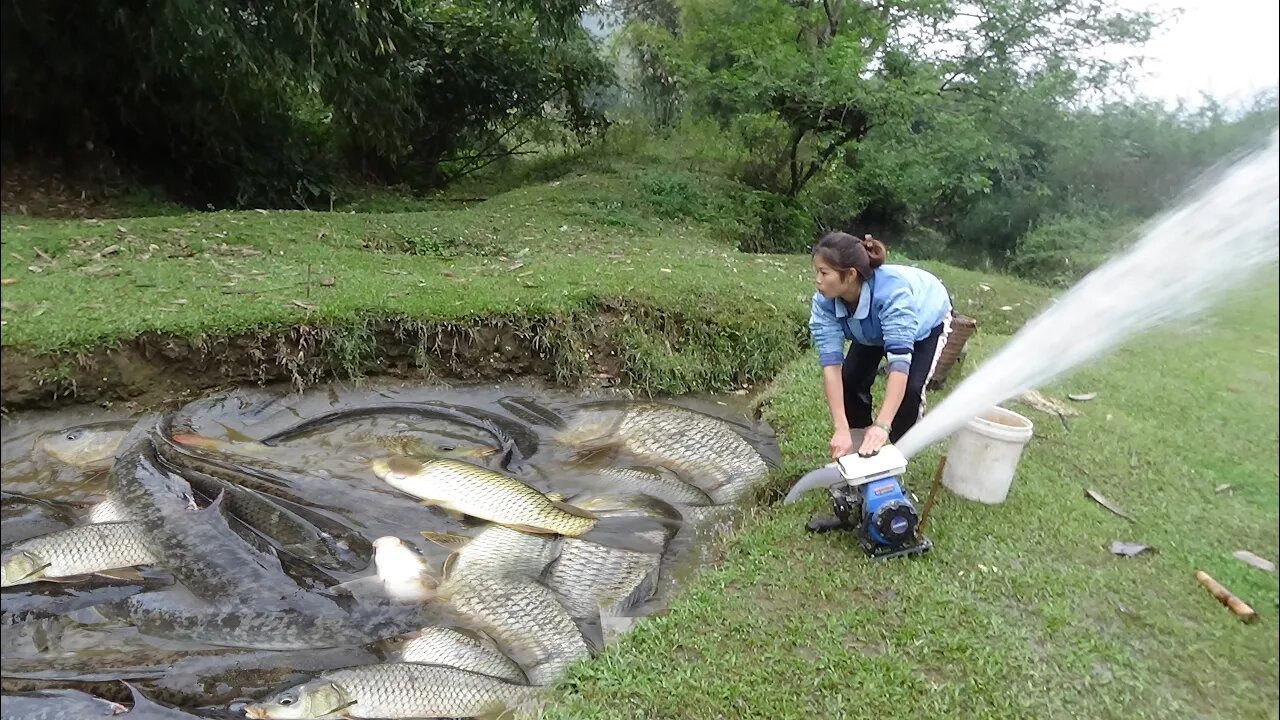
(984, 454)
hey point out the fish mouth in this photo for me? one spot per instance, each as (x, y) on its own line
(380, 467)
(257, 712)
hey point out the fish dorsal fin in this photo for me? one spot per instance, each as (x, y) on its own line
(531, 529)
(126, 573)
(444, 539)
(572, 509)
(446, 567)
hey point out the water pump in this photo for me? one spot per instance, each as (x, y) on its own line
(868, 500)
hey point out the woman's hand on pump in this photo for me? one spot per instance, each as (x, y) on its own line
(841, 443)
(874, 439)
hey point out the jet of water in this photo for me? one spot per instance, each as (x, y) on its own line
(1186, 260)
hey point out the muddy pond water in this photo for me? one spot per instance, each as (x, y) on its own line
(685, 461)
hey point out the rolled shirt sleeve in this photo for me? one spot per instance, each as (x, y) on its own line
(899, 324)
(827, 337)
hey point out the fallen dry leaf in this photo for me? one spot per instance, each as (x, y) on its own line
(8, 281)
(304, 306)
(1082, 397)
(328, 281)
(180, 301)
(1222, 488)
(110, 249)
(1127, 549)
(1252, 560)
(1046, 404)
(1098, 498)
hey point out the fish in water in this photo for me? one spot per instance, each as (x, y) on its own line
(396, 690)
(27, 517)
(90, 446)
(499, 551)
(514, 440)
(198, 547)
(596, 580)
(483, 493)
(270, 517)
(109, 510)
(525, 618)
(399, 443)
(700, 448)
(656, 482)
(79, 550)
(173, 615)
(463, 649)
(144, 708)
(55, 705)
(405, 574)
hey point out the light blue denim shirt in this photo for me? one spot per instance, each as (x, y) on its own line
(899, 306)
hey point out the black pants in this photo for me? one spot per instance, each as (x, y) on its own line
(859, 373)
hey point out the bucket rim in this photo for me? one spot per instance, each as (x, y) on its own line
(1020, 428)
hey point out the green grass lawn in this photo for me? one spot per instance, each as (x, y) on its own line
(1020, 611)
(691, 312)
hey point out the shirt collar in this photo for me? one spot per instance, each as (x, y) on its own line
(864, 301)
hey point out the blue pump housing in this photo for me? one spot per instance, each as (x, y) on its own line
(888, 514)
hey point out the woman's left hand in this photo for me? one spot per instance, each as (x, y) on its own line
(874, 439)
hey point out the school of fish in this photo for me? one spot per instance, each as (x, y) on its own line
(224, 541)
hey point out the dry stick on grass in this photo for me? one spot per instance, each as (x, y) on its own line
(1224, 596)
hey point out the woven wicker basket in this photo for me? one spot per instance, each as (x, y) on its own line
(962, 326)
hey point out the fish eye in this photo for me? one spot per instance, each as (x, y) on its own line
(448, 448)
(286, 700)
(75, 434)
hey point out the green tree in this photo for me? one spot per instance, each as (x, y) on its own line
(802, 81)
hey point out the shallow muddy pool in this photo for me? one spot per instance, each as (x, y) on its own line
(307, 458)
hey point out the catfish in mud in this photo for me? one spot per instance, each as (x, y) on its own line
(295, 534)
(55, 705)
(198, 547)
(172, 615)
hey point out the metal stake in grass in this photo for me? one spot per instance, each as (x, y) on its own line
(933, 493)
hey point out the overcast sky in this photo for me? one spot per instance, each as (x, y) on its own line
(1227, 48)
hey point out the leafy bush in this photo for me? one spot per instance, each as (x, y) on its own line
(1063, 249)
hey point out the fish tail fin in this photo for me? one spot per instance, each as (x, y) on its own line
(527, 706)
(629, 532)
(530, 411)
